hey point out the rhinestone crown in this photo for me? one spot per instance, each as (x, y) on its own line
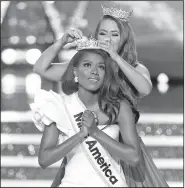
(117, 13)
(86, 43)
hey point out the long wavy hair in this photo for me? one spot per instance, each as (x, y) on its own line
(126, 50)
(110, 93)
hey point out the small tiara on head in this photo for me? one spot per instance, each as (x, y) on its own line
(86, 43)
(117, 13)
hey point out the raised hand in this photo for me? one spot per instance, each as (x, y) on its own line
(108, 46)
(71, 35)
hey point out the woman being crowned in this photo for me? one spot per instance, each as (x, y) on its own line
(83, 124)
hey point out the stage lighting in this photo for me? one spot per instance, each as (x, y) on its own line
(14, 39)
(162, 87)
(50, 2)
(8, 82)
(162, 78)
(30, 39)
(12, 21)
(33, 83)
(32, 56)
(9, 56)
(21, 5)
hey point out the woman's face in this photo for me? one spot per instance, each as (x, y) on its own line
(90, 71)
(109, 30)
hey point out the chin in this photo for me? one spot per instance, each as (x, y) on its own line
(94, 90)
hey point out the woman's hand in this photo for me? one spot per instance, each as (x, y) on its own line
(89, 121)
(71, 35)
(108, 46)
(84, 131)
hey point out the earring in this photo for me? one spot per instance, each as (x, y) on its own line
(76, 79)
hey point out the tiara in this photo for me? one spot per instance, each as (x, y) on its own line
(117, 13)
(86, 43)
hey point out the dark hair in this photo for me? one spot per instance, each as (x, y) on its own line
(126, 50)
(111, 91)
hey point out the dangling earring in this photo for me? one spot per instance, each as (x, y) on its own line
(76, 79)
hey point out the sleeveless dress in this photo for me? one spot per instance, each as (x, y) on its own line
(78, 172)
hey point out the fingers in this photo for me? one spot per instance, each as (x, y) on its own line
(87, 113)
(87, 118)
(104, 45)
(75, 33)
(85, 130)
(86, 124)
(79, 33)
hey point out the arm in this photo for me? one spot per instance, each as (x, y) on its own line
(137, 75)
(50, 152)
(130, 150)
(43, 65)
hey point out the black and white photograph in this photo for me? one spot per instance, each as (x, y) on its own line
(92, 93)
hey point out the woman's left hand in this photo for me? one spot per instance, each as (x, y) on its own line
(108, 46)
(88, 120)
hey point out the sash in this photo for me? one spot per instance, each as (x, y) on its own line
(100, 159)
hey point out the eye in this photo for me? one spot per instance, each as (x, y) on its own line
(102, 33)
(115, 34)
(87, 64)
(102, 67)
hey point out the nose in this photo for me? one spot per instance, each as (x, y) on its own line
(107, 39)
(95, 71)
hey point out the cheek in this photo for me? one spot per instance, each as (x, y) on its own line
(116, 42)
(101, 37)
(102, 75)
(82, 74)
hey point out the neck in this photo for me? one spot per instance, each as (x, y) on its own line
(88, 98)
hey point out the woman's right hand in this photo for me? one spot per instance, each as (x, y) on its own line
(84, 131)
(71, 35)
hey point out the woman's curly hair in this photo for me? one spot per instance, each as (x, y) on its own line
(111, 92)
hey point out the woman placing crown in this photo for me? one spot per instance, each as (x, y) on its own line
(82, 124)
(117, 38)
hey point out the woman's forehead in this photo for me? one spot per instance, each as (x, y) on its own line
(109, 24)
(91, 55)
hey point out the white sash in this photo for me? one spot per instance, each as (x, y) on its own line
(100, 159)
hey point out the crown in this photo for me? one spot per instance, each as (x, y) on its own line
(86, 43)
(117, 13)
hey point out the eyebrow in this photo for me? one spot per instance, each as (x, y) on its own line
(86, 60)
(101, 63)
(91, 62)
